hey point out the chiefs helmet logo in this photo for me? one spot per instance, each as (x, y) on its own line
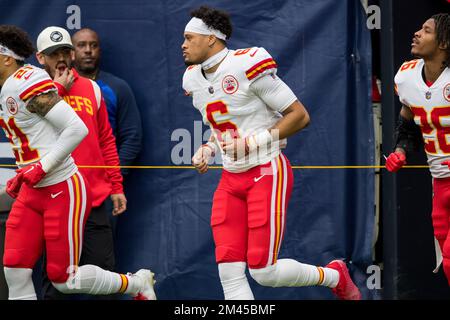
(12, 106)
(229, 84)
(447, 92)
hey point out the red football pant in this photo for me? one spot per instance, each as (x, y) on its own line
(53, 216)
(249, 213)
(441, 216)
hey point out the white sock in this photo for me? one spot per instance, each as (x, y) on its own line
(234, 281)
(331, 278)
(20, 283)
(94, 280)
(291, 273)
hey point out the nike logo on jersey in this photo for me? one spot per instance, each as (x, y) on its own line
(252, 54)
(259, 178)
(28, 75)
(56, 194)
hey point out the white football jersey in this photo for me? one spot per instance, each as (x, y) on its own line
(31, 135)
(431, 108)
(230, 108)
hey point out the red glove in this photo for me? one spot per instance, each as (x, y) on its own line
(446, 163)
(395, 161)
(32, 174)
(13, 185)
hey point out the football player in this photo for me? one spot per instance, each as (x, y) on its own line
(423, 87)
(53, 198)
(251, 112)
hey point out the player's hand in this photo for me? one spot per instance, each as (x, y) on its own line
(201, 158)
(119, 203)
(13, 185)
(446, 163)
(32, 174)
(236, 148)
(395, 161)
(64, 78)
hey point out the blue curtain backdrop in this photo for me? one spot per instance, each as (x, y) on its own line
(324, 54)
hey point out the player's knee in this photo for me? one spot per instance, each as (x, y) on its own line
(14, 258)
(226, 254)
(440, 225)
(257, 258)
(63, 287)
(57, 273)
(265, 276)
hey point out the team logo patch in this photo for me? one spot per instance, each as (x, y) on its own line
(56, 36)
(230, 85)
(12, 106)
(447, 92)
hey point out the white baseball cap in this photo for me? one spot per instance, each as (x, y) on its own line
(52, 38)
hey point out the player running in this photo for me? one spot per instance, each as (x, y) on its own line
(252, 112)
(53, 198)
(423, 87)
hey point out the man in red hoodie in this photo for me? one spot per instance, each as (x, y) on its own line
(55, 53)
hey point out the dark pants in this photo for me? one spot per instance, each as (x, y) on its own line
(98, 249)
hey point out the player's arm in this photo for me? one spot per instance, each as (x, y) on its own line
(72, 130)
(59, 114)
(279, 97)
(129, 127)
(108, 147)
(407, 134)
(43, 103)
(295, 118)
(407, 139)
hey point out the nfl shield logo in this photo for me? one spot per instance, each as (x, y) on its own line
(428, 95)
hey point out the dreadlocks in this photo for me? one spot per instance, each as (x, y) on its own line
(442, 21)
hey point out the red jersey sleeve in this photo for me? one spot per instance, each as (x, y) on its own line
(61, 90)
(109, 150)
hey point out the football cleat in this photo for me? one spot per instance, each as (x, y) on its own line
(147, 292)
(346, 288)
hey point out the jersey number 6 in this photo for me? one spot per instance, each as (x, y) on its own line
(224, 126)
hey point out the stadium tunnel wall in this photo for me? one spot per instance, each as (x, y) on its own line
(323, 51)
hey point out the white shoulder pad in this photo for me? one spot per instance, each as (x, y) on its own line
(405, 71)
(189, 78)
(31, 81)
(256, 62)
(404, 74)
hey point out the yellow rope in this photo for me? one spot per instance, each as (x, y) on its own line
(220, 167)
